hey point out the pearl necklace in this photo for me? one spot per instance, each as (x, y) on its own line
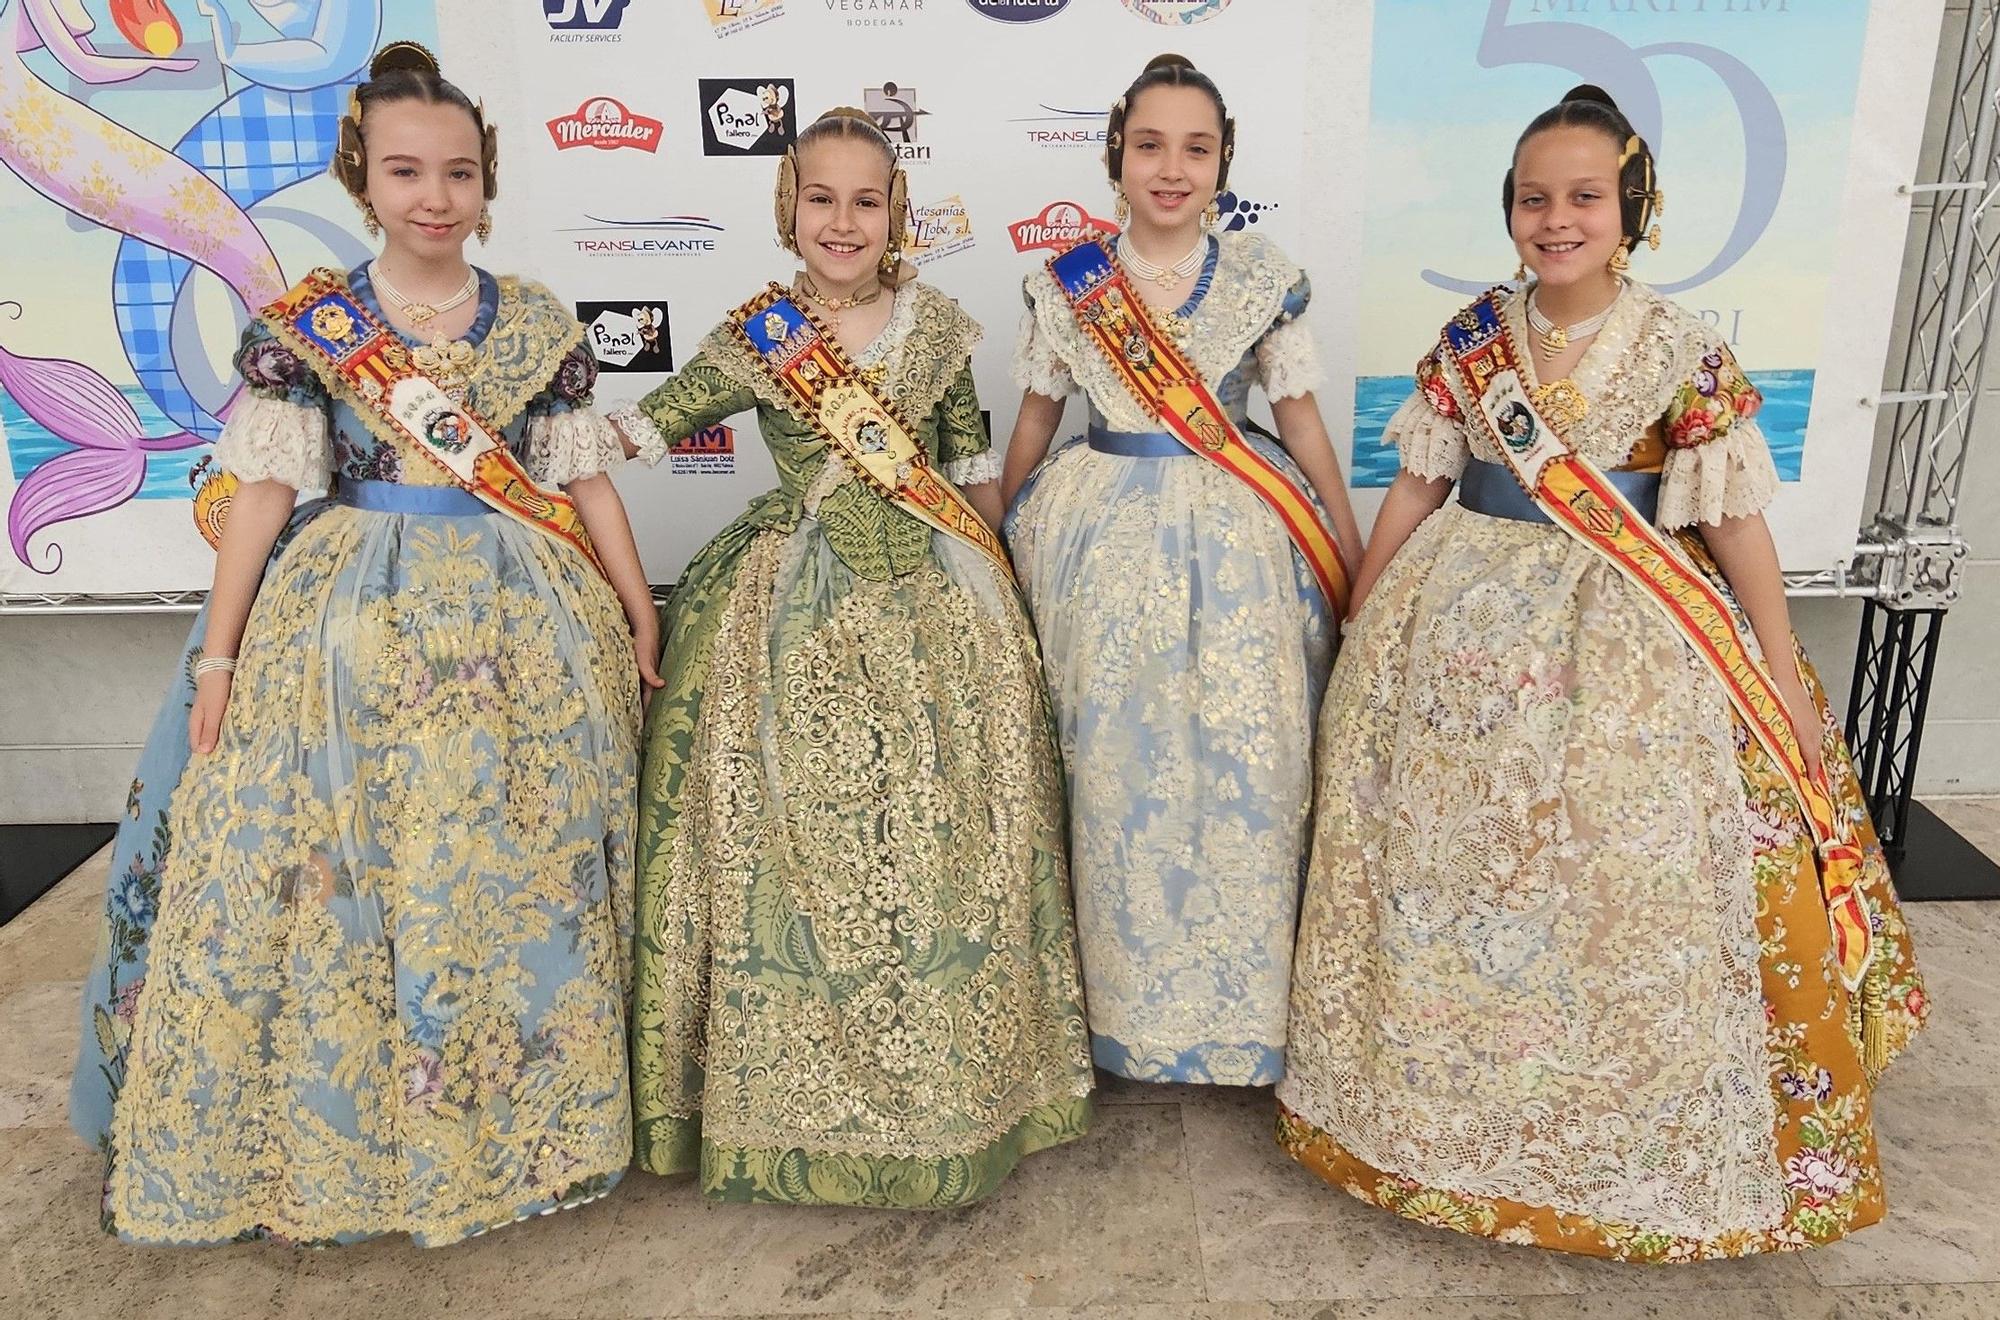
(1164, 276)
(421, 314)
(1555, 338)
(837, 305)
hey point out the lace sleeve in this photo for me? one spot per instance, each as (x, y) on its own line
(1429, 429)
(1037, 366)
(1718, 464)
(566, 438)
(1288, 356)
(278, 430)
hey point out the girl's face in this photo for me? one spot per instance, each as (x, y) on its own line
(424, 177)
(1566, 219)
(842, 223)
(1173, 153)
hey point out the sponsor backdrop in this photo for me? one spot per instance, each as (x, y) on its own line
(176, 159)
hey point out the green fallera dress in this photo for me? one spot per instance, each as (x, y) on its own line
(855, 972)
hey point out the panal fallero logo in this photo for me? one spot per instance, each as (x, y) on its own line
(604, 122)
(1060, 225)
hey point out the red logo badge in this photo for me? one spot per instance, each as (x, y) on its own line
(1060, 225)
(604, 122)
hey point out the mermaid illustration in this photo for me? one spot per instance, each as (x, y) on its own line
(285, 67)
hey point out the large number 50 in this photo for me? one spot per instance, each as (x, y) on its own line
(1597, 56)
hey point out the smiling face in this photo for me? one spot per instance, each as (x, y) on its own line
(1566, 220)
(424, 177)
(1172, 156)
(842, 223)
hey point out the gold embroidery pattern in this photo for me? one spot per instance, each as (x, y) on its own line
(386, 988)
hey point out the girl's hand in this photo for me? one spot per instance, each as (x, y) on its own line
(1806, 725)
(646, 651)
(211, 703)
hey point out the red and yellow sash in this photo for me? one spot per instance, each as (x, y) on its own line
(1166, 384)
(363, 363)
(861, 425)
(1577, 498)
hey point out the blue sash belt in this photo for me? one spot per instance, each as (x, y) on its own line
(1490, 488)
(394, 497)
(1137, 444)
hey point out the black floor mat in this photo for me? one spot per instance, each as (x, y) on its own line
(34, 857)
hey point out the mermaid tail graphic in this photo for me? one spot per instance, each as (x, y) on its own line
(178, 209)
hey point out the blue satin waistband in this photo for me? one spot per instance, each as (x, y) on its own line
(1490, 488)
(1136, 444)
(394, 497)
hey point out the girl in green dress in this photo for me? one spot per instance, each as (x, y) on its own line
(856, 977)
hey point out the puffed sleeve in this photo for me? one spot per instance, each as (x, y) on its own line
(964, 447)
(1429, 429)
(1037, 366)
(1288, 354)
(280, 429)
(1718, 464)
(567, 438)
(697, 396)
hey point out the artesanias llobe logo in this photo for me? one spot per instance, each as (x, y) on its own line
(628, 335)
(584, 20)
(1177, 13)
(747, 116)
(604, 122)
(895, 111)
(1060, 225)
(1019, 11)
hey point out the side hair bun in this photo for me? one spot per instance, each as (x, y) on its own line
(1167, 60)
(403, 55)
(1588, 92)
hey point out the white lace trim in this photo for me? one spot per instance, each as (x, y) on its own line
(1733, 477)
(639, 429)
(1247, 294)
(1430, 446)
(1036, 366)
(276, 440)
(974, 469)
(570, 445)
(1288, 360)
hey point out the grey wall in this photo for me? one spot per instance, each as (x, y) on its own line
(78, 693)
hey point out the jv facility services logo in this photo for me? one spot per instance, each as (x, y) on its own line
(1060, 225)
(577, 21)
(1177, 13)
(627, 336)
(604, 122)
(1019, 11)
(729, 17)
(747, 116)
(895, 111)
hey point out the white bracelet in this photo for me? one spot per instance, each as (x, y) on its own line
(215, 664)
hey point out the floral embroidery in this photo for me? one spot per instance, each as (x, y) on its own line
(576, 377)
(1708, 403)
(268, 367)
(1435, 386)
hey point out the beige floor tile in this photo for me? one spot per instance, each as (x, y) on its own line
(1978, 819)
(37, 1052)
(56, 938)
(1939, 1149)
(1105, 1219)
(1960, 1045)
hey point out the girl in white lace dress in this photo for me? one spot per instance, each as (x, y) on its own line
(1186, 643)
(1565, 972)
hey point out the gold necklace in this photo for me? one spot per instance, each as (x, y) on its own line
(811, 290)
(421, 314)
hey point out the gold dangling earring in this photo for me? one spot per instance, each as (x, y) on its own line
(1121, 209)
(1521, 272)
(1211, 215)
(368, 220)
(483, 230)
(1621, 260)
(1653, 238)
(891, 259)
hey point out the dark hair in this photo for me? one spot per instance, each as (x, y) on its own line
(405, 71)
(847, 124)
(1168, 70)
(1589, 106)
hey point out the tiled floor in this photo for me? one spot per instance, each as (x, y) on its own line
(1176, 1205)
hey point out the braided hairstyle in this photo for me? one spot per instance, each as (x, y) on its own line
(405, 71)
(1639, 196)
(1168, 70)
(846, 123)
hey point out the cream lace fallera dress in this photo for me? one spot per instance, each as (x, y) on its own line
(1186, 645)
(1563, 973)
